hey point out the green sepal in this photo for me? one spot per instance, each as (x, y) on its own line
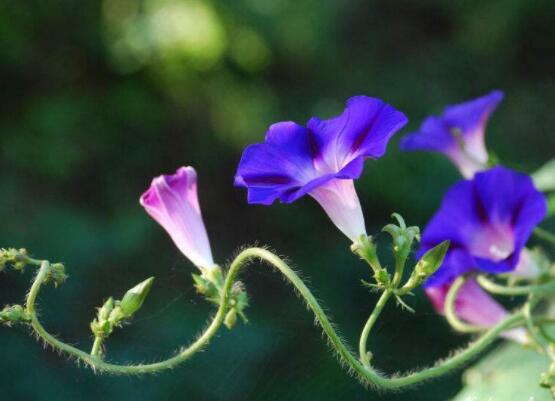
(207, 288)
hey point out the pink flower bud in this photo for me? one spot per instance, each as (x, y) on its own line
(172, 201)
(475, 306)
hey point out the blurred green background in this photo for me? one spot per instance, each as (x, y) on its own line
(97, 97)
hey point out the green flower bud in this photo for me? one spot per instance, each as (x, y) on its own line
(403, 236)
(134, 298)
(104, 312)
(432, 260)
(17, 258)
(101, 328)
(57, 274)
(426, 266)
(13, 314)
(230, 319)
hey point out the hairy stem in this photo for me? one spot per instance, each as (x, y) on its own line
(365, 357)
(365, 373)
(102, 366)
(97, 347)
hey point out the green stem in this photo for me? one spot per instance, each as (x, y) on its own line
(536, 335)
(545, 235)
(97, 347)
(366, 374)
(450, 310)
(494, 288)
(365, 357)
(102, 366)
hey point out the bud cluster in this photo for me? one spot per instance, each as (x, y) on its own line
(403, 238)
(210, 284)
(56, 274)
(114, 313)
(17, 258)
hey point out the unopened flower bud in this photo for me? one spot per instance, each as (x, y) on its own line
(432, 260)
(403, 236)
(104, 312)
(13, 314)
(427, 265)
(57, 274)
(230, 318)
(17, 258)
(134, 298)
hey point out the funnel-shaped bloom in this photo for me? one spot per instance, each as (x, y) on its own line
(475, 306)
(458, 133)
(172, 201)
(488, 220)
(321, 160)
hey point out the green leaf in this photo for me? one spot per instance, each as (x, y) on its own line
(509, 373)
(544, 178)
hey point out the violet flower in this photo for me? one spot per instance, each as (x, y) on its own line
(321, 160)
(488, 220)
(172, 201)
(458, 133)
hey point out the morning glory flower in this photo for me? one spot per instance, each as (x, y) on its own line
(475, 306)
(488, 220)
(172, 201)
(458, 133)
(321, 160)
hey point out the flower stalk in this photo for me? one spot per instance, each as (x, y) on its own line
(363, 370)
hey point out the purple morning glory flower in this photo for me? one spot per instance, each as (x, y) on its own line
(321, 160)
(172, 201)
(488, 220)
(458, 133)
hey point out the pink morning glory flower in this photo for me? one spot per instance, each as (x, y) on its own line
(475, 306)
(172, 201)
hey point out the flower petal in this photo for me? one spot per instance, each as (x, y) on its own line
(340, 201)
(362, 130)
(281, 165)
